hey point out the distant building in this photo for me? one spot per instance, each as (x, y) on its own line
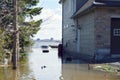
(51, 39)
(91, 28)
(38, 39)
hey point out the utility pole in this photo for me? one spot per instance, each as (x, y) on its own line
(16, 36)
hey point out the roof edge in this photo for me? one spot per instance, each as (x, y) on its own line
(77, 13)
(95, 4)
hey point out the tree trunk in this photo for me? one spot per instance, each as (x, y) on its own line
(16, 37)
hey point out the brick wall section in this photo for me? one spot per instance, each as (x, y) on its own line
(102, 26)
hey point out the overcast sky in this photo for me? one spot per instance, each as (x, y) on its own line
(52, 20)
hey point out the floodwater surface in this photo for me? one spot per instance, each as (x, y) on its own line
(48, 66)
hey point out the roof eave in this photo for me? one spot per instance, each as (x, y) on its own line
(90, 7)
(84, 11)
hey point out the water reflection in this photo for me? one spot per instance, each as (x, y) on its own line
(21, 73)
(41, 66)
(47, 66)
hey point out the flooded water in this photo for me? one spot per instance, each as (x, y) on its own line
(47, 66)
(81, 72)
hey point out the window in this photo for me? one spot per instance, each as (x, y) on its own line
(116, 32)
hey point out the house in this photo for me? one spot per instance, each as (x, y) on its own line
(91, 28)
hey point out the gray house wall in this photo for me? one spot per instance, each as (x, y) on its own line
(95, 38)
(94, 27)
(86, 23)
(69, 30)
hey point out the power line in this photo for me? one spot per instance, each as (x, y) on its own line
(48, 18)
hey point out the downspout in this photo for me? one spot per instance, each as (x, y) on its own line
(78, 36)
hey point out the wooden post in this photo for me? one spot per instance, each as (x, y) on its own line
(16, 36)
(88, 66)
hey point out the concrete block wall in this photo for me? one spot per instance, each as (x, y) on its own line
(87, 34)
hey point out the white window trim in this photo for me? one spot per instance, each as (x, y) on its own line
(115, 16)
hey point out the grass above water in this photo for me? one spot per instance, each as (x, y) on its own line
(106, 68)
